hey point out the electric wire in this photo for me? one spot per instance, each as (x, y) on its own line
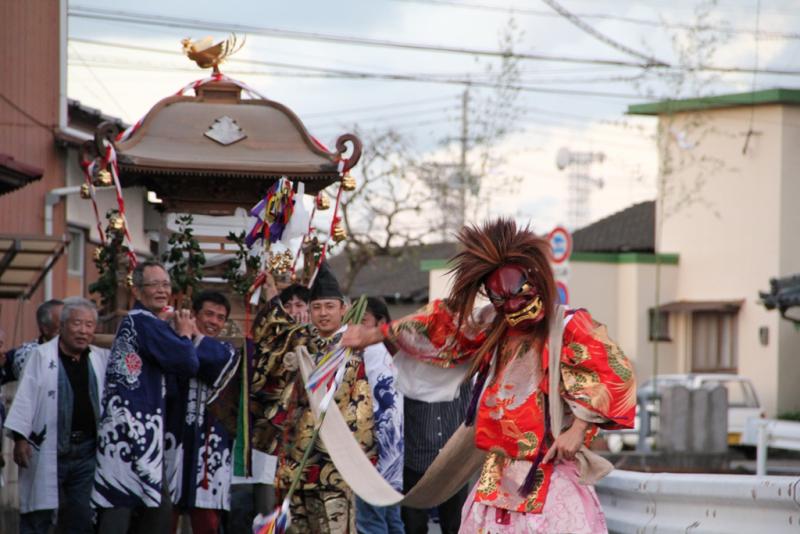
(764, 34)
(383, 76)
(175, 22)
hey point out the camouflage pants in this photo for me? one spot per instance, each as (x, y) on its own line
(323, 512)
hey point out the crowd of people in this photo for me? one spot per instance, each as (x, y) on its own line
(121, 439)
(127, 439)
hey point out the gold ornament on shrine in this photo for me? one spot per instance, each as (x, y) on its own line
(129, 280)
(348, 183)
(86, 193)
(209, 55)
(323, 202)
(103, 178)
(98, 253)
(339, 233)
(281, 263)
(116, 223)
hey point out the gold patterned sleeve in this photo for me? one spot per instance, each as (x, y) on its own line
(431, 335)
(275, 334)
(598, 379)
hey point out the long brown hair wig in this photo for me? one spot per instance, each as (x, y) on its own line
(484, 249)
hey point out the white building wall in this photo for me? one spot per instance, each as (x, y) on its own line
(595, 286)
(439, 284)
(620, 296)
(81, 214)
(729, 237)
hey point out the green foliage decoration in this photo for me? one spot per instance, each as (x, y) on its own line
(242, 270)
(106, 259)
(184, 258)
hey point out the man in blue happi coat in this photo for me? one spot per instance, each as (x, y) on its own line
(130, 440)
(199, 449)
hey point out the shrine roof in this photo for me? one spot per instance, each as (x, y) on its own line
(218, 133)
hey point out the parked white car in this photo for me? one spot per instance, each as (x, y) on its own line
(743, 403)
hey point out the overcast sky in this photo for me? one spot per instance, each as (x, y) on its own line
(126, 83)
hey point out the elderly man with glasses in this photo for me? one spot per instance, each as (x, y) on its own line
(130, 448)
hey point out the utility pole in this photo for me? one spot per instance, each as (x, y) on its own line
(453, 181)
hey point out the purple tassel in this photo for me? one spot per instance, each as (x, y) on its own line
(530, 479)
(256, 210)
(477, 389)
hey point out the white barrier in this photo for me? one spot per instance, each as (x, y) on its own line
(764, 433)
(664, 503)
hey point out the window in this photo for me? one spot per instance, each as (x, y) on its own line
(740, 393)
(660, 331)
(714, 342)
(75, 252)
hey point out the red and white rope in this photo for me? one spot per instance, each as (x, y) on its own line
(88, 172)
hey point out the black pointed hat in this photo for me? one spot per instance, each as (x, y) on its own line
(325, 285)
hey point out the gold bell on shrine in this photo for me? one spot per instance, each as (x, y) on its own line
(323, 202)
(116, 223)
(348, 183)
(103, 178)
(85, 192)
(129, 280)
(339, 233)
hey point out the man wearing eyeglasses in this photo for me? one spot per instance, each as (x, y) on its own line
(130, 447)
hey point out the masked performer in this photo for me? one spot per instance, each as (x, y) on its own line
(282, 420)
(529, 481)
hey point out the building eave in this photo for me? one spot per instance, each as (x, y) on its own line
(750, 98)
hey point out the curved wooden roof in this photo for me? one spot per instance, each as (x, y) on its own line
(214, 151)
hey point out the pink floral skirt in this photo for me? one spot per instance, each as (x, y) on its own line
(570, 508)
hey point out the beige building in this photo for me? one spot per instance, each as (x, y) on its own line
(729, 218)
(727, 206)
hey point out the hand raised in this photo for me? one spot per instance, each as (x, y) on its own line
(184, 323)
(300, 317)
(359, 336)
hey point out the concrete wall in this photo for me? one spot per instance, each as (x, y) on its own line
(726, 214)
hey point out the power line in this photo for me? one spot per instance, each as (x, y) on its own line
(356, 75)
(768, 34)
(30, 117)
(337, 122)
(100, 83)
(390, 105)
(112, 63)
(577, 22)
(174, 22)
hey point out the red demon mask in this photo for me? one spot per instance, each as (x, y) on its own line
(513, 295)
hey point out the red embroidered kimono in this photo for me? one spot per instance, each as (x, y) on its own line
(597, 385)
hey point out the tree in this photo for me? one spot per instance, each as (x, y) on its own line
(391, 205)
(404, 198)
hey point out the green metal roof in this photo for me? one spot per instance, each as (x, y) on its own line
(766, 96)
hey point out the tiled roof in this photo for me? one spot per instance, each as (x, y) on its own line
(395, 278)
(629, 230)
(15, 174)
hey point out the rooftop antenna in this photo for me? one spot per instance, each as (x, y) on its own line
(580, 183)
